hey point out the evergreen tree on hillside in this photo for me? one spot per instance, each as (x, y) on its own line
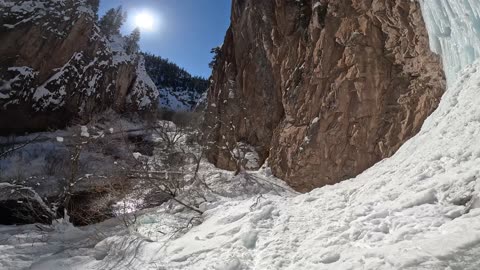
(168, 75)
(217, 52)
(132, 41)
(94, 4)
(112, 21)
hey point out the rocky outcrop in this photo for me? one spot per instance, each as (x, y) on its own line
(323, 89)
(55, 65)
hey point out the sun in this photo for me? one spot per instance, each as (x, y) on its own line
(145, 21)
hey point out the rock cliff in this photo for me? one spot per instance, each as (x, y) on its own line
(322, 89)
(55, 65)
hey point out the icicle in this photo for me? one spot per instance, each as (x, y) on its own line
(454, 30)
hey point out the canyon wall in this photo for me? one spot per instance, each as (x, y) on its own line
(56, 65)
(321, 89)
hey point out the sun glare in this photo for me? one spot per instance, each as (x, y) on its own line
(145, 21)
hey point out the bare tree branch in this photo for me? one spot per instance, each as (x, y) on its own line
(18, 147)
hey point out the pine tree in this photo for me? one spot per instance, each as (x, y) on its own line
(94, 4)
(217, 53)
(132, 41)
(112, 21)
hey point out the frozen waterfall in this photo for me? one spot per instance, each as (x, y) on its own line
(454, 30)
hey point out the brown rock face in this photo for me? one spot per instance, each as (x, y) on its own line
(56, 65)
(323, 89)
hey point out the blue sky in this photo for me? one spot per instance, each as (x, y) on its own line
(184, 32)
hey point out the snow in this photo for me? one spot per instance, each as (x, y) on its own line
(246, 153)
(117, 45)
(202, 101)
(175, 101)
(454, 30)
(23, 75)
(144, 91)
(33, 156)
(84, 131)
(27, 6)
(419, 209)
(23, 71)
(16, 192)
(412, 211)
(416, 210)
(52, 93)
(42, 162)
(28, 11)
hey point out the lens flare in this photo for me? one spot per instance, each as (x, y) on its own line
(145, 21)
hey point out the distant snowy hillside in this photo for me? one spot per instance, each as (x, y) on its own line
(179, 91)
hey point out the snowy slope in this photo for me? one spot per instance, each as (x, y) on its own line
(419, 209)
(416, 210)
(181, 100)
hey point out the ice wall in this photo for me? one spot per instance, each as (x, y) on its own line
(454, 30)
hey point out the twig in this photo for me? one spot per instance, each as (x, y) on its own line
(18, 148)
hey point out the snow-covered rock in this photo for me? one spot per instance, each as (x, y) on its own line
(60, 66)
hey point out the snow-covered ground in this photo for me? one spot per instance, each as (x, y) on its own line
(419, 209)
(46, 154)
(111, 245)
